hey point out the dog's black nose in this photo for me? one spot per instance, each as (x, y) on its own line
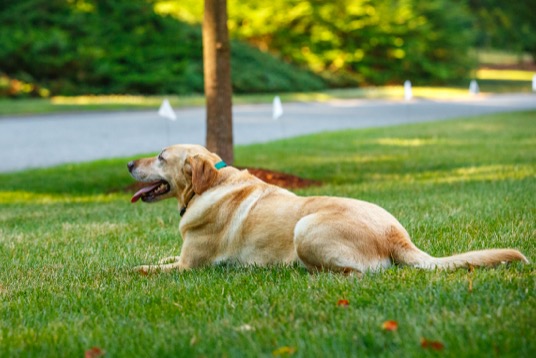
(130, 166)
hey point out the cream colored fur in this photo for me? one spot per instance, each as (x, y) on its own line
(233, 216)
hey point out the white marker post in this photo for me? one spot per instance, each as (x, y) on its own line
(277, 108)
(473, 88)
(407, 90)
(534, 83)
(166, 111)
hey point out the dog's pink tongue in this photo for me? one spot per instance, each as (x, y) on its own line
(142, 191)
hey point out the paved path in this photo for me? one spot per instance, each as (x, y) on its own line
(45, 140)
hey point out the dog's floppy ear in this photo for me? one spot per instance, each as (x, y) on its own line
(204, 173)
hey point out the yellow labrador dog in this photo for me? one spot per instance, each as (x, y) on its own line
(230, 215)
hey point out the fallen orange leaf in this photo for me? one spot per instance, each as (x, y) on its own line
(94, 352)
(343, 303)
(390, 326)
(284, 350)
(435, 345)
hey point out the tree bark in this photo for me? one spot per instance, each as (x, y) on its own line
(217, 72)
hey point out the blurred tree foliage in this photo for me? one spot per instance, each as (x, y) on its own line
(154, 46)
(507, 25)
(121, 46)
(353, 42)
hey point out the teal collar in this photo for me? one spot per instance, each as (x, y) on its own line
(220, 165)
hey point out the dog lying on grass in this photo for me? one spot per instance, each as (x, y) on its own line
(230, 215)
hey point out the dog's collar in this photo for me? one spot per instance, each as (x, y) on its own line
(183, 209)
(219, 165)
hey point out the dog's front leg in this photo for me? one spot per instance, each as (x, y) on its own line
(197, 252)
(146, 269)
(179, 263)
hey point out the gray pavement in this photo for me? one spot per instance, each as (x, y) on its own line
(46, 140)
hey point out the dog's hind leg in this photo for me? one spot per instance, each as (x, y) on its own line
(325, 241)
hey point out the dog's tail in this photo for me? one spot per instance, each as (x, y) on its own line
(491, 257)
(406, 253)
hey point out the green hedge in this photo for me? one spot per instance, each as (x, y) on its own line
(122, 46)
(71, 47)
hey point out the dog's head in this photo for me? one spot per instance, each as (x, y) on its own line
(179, 171)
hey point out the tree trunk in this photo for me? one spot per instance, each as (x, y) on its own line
(217, 71)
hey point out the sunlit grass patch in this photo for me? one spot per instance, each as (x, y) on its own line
(22, 197)
(509, 75)
(464, 174)
(396, 92)
(405, 142)
(127, 100)
(105, 99)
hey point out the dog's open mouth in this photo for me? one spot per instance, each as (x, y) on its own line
(152, 191)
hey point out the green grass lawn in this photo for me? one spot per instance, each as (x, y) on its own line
(69, 239)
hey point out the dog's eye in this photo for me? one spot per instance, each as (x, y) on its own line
(161, 158)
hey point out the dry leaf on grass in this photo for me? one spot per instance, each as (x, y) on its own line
(435, 345)
(94, 352)
(390, 325)
(343, 303)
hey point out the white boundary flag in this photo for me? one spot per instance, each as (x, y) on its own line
(166, 111)
(473, 87)
(407, 90)
(278, 108)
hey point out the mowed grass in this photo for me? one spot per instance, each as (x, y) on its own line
(69, 239)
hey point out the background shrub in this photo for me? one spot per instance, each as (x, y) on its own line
(123, 46)
(154, 46)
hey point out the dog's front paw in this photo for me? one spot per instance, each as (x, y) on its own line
(148, 269)
(169, 260)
